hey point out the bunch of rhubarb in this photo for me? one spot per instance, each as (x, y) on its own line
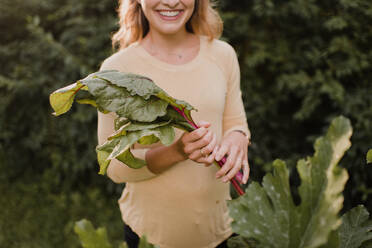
(146, 114)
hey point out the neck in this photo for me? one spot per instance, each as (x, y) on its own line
(168, 42)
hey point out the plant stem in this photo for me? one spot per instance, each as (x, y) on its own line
(238, 177)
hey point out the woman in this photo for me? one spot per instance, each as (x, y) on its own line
(174, 201)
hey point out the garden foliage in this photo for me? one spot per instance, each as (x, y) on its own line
(302, 63)
(97, 238)
(270, 208)
(356, 228)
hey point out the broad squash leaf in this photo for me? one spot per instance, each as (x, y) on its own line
(333, 240)
(144, 244)
(268, 214)
(356, 228)
(240, 242)
(369, 156)
(92, 238)
(89, 237)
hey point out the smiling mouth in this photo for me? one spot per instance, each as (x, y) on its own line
(169, 13)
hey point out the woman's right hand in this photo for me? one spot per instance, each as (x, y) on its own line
(199, 145)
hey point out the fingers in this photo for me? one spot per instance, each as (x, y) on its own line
(205, 124)
(236, 167)
(194, 135)
(222, 152)
(194, 149)
(207, 161)
(197, 133)
(208, 149)
(230, 161)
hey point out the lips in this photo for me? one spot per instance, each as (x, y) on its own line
(170, 15)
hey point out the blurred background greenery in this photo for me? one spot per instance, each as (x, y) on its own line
(303, 62)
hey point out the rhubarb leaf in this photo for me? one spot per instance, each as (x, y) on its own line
(145, 113)
(134, 84)
(119, 146)
(164, 133)
(117, 99)
(369, 156)
(140, 85)
(119, 122)
(137, 85)
(177, 120)
(268, 214)
(61, 100)
(128, 158)
(103, 153)
(90, 101)
(136, 126)
(356, 228)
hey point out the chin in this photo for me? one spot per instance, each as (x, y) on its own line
(170, 30)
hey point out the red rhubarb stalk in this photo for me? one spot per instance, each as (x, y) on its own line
(238, 177)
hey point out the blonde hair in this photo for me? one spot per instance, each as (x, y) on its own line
(134, 26)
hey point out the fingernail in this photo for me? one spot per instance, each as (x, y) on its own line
(225, 179)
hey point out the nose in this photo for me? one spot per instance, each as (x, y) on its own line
(171, 3)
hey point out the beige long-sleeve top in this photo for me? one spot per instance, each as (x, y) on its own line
(184, 206)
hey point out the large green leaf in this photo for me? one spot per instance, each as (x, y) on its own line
(369, 156)
(141, 86)
(240, 242)
(356, 228)
(97, 238)
(164, 133)
(268, 214)
(144, 244)
(103, 153)
(89, 237)
(61, 100)
(118, 146)
(117, 99)
(136, 126)
(133, 83)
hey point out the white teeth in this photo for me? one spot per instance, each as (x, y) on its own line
(169, 13)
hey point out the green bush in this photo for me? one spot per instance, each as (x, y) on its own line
(302, 63)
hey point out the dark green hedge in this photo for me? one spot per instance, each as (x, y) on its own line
(302, 63)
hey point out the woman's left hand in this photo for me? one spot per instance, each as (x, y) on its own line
(235, 146)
